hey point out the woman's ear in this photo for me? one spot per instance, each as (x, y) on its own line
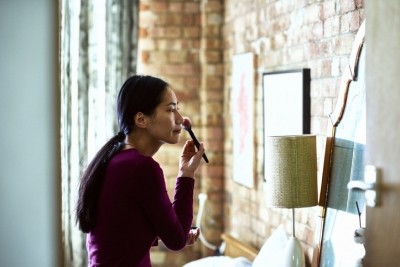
(140, 120)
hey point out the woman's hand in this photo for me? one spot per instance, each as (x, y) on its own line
(190, 159)
(194, 234)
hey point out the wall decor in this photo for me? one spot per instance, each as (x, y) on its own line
(242, 110)
(286, 102)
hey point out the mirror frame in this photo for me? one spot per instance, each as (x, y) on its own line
(350, 74)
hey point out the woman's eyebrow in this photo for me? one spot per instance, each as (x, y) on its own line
(173, 103)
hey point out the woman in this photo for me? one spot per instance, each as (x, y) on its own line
(123, 203)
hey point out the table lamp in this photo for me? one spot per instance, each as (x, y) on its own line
(291, 181)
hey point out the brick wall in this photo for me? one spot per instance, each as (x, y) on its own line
(180, 41)
(191, 44)
(285, 35)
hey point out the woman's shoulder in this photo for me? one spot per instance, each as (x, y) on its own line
(131, 164)
(131, 157)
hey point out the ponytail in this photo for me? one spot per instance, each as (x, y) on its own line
(91, 182)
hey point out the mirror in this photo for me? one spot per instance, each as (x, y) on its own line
(341, 242)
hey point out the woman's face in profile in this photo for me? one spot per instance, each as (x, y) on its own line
(165, 125)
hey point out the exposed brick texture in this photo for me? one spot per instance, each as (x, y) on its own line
(285, 35)
(191, 45)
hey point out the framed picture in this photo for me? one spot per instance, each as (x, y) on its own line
(286, 103)
(242, 110)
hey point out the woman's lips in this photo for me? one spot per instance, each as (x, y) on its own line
(177, 131)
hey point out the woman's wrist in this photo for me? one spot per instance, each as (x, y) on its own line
(186, 174)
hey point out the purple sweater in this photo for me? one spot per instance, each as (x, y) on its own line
(135, 209)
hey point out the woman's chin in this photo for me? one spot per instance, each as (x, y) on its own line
(174, 140)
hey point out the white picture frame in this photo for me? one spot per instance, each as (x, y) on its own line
(286, 102)
(242, 103)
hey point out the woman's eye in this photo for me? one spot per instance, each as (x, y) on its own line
(173, 109)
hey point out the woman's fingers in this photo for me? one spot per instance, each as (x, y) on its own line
(188, 148)
(190, 158)
(193, 236)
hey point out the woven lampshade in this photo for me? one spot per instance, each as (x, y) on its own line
(291, 171)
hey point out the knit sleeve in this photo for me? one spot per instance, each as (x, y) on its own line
(170, 221)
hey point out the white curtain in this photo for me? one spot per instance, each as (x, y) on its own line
(98, 43)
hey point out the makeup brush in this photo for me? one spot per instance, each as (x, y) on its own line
(187, 125)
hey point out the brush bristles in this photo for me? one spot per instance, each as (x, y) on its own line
(186, 123)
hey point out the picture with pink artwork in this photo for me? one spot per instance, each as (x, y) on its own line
(242, 107)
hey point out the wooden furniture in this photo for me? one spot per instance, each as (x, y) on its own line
(236, 248)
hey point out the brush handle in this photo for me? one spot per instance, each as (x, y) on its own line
(196, 142)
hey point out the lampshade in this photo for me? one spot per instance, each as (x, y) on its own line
(291, 171)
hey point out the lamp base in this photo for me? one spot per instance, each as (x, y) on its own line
(294, 255)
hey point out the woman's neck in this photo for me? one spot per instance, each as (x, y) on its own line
(141, 143)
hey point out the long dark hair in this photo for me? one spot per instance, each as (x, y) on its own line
(139, 93)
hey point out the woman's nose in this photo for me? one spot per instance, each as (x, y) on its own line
(179, 119)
